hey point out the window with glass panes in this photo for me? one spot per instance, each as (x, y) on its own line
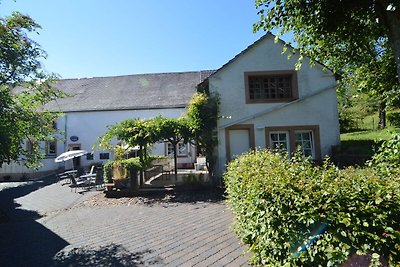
(170, 149)
(51, 147)
(306, 138)
(279, 140)
(274, 87)
(304, 142)
(270, 86)
(181, 149)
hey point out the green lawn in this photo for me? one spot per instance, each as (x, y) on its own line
(359, 146)
(372, 135)
(364, 143)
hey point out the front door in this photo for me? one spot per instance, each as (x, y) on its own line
(76, 161)
(239, 139)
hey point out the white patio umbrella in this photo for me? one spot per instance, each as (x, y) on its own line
(70, 155)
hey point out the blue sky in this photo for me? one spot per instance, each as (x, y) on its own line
(92, 38)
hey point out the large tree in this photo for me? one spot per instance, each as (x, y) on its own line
(24, 89)
(334, 32)
(378, 80)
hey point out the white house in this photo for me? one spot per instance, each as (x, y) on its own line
(264, 103)
(95, 103)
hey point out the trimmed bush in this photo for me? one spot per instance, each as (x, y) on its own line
(292, 213)
(387, 159)
(126, 166)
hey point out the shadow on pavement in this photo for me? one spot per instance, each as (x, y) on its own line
(112, 255)
(24, 241)
(9, 209)
(149, 197)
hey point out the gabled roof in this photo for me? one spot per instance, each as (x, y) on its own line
(268, 34)
(140, 91)
(265, 36)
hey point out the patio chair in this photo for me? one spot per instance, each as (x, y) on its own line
(91, 170)
(78, 183)
(99, 181)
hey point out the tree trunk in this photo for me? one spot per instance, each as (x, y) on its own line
(391, 21)
(175, 160)
(382, 115)
(210, 163)
(133, 182)
(141, 161)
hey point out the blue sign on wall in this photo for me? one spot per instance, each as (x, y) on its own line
(74, 138)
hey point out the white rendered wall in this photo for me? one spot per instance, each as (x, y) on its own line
(318, 109)
(88, 126)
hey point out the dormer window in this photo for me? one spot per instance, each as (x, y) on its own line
(271, 86)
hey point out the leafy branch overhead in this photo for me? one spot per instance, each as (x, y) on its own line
(359, 40)
(24, 88)
(334, 32)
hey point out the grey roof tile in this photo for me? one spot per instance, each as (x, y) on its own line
(139, 91)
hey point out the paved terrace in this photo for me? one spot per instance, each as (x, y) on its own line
(43, 223)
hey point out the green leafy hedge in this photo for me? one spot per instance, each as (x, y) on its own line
(387, 159)
(292, 213)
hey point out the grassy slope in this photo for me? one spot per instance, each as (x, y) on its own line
(358, 146)
(365, 142)
(373, 135)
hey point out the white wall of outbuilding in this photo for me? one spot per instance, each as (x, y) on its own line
(88, 126)
(317, 104)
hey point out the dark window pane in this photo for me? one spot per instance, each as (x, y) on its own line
(270, 87)
(104, 155)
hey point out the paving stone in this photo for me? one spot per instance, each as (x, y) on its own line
(47, 225)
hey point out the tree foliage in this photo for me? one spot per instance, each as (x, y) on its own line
(174, 130)
(377, 78)
(335, 32)
(24, 89)
(387, 159)
(354, 106)
(133, 132)
(197, 126)
(143, 133)
(357, 39)
(202, 113)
